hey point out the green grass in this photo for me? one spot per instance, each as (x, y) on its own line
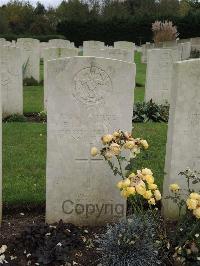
(24, 152)
(140, 79)
(154, 157)
(33, 99)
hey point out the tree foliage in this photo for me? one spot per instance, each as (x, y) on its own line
(107, 20)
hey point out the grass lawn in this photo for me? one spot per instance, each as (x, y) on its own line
(24, 153)
(33, 99)
(140, 79)
(24, 149)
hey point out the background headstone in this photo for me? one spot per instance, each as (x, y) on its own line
(89, 46)
(48, 54)
(11, 80)
(85, 101)
(159, 74)
(113, 53)
(183, 145)
(30, 50)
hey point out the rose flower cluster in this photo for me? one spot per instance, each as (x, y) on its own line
(193, 201)
(141, 183)
(115, 143)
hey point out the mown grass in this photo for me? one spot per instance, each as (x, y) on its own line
(24, 153)
(33, 99)
(24, 149)
(140, 79)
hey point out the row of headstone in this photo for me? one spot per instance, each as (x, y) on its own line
(122, 50)
(183, 48)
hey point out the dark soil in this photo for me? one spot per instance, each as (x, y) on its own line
(13, 233)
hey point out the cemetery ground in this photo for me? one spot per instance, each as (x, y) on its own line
(24, 156)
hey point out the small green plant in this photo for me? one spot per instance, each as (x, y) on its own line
(150, 111)
(15, 118)
(30, 82)
(43, 116)
(186, 236)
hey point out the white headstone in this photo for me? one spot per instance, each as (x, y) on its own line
(68, 52)
(89, 46)
(125, 45)
(195, 42)
(48, 54)
(183, 146)
(85, 101)
(145, 48)
(159, 75)
(11, 80)
(113, 53)
(185, 50)
(59, 43)
(30, 49)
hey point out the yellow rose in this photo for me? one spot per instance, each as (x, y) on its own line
(127, 182)
(152, 201)
(149, 179)
(144, 144)
(130, 191)
(152, 186)
(140, 189)
(191, 204)
(115, 148)
(129, 145)
(197, 213)
(120, 184)
(94, 151)
(108, 155)
(174, 187)
(157, 195)
(195, 196)
(107, 138)
(146, 171)
(148, 194)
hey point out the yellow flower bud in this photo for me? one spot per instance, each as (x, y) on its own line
(152, 186)
(149, 179)
(146, 171)
(129, 145)
(191, 204)
(147, 195)
(140, 189)
(131, 176)
(174, 187)
(115, 148)
(144, 144)
(152, 201)
(157, 195)
(107, 139)
(197, 213)
(94, 151)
